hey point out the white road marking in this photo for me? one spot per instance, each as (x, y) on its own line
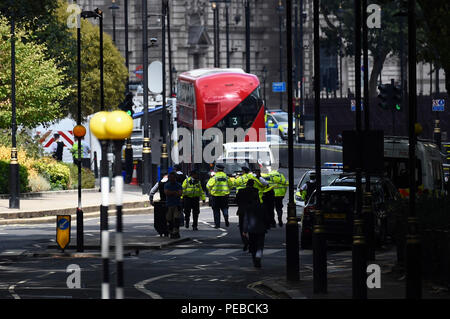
(12, 287)
(271, 251)
(221, 252)
(141, 286)
(47, 274)
(180, 251)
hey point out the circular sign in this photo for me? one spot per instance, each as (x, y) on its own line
(63, 224)
(79, 131)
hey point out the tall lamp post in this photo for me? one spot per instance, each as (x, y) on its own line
(247, 36)
(292, 240)
(280, 25)
(14, 200)
(164, 152)
(227, 30)
(128, 147)
(113, 9)
(216, 34)
(264, 72)
(146, 151)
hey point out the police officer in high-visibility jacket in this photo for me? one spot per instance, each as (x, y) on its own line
(280, 184)
(268, 198)
(219, 187)
(192, 193)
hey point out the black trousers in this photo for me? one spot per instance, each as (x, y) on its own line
(241, 214)
(191, 204)
(279, 206)
(256, 244)
(269, 206)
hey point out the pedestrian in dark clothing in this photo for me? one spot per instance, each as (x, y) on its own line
(255, 223)
(180, 176)
(57, 148)
(173, 191)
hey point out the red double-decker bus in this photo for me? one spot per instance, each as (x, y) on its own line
(221, 98)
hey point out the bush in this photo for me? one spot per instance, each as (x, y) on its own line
(4, 178)
(87, 177)
(39, 183)
(56, 173)
(25, 141)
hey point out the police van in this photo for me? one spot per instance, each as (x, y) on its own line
(255, 152)
(429, 165)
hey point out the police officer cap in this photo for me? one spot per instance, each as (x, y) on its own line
(245, 169)
(220, 166)
(177, 167)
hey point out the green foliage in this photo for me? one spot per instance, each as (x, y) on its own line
(25, 141)
(4, 178)
(87, 177)
(26, 9)
(58, 174)
(39, 183)
(115, 72)
(39, 88)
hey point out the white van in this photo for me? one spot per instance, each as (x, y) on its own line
(255, 152)
(429, 167)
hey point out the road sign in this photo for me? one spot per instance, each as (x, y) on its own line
(63, 230)
(278, 86)
(353, 105)
(438, 105)
(155, 73)
(138, 72)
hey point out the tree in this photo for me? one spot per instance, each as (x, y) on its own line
(39, 87)
(381, 42)
(434, 47)
(115, 72)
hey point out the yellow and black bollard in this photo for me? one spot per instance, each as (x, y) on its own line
(97, 126)
(119, 126)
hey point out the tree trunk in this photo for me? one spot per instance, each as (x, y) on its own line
(376, 70)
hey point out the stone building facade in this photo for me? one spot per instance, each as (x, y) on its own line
(192, 41)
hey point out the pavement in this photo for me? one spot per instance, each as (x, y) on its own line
(44, 206)
(339, 282)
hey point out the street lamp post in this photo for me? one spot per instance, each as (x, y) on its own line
(216, 34)
(413, 245)
(359, 258)
(113, 9)
(128, 148)
(14, 187)
(280, 24)
(146, 151)
(292, 240)
(247, 36)
(301, 136)
(319, 241)
(80, 236)
(264, 71)
(227, 30)
(164, 152)
(169, 40)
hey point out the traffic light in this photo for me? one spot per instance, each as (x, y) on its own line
(127, 104)
(397, 98)
(384, 96)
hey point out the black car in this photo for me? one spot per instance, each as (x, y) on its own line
(338, 208)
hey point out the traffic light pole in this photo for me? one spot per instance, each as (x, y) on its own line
(359, 244)
(413, 245)
(146, 155)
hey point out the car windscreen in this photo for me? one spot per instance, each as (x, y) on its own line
(326, 180)
(338, 201)
(280, 117)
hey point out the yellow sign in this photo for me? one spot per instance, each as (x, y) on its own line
(63, 230)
